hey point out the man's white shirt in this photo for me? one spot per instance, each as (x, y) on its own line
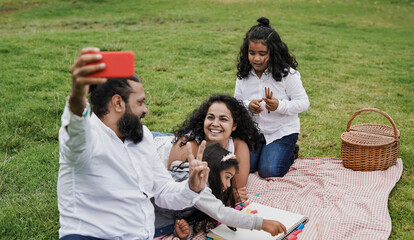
(105, 185)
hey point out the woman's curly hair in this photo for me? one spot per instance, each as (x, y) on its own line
(193, 127)
(279, 58)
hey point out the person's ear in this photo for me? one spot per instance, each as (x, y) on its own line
(118, 103)
(234, 127)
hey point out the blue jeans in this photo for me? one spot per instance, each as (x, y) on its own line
(79, 237)
(274, 159)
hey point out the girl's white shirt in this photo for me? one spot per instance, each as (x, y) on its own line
(215, 208)
(292, 101)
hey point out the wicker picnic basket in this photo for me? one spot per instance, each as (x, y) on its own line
(370, 147)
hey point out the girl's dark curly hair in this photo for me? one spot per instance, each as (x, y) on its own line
(213, 154)
(193, 126)
(279, 61)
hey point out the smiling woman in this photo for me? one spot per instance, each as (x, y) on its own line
(218, 124)
(220, 119)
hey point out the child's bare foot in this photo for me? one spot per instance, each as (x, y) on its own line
(182, 229)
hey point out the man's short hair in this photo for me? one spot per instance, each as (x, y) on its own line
(101, 94)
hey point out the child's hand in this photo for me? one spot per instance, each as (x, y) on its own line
(254, 106)
(271, 102)
(182, 229)
(273, 227)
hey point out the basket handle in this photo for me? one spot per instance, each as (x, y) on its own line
(373, 110)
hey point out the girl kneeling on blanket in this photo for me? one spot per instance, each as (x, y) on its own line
(271, 88)
(217, 201)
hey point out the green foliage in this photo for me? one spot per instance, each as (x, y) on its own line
(352, 54)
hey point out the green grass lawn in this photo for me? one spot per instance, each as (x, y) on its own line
(351, 54)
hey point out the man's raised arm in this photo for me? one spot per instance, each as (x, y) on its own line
(80, 83)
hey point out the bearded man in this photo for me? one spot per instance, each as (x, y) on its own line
(108, 167)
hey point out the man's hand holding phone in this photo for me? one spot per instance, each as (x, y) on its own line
(81, 68)
(94, 67)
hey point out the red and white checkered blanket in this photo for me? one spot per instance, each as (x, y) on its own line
(340, 203)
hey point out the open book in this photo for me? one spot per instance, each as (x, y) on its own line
(289, 219)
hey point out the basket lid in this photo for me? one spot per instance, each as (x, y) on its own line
(366, 139)
(375, 129)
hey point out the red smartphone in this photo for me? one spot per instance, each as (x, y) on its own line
(118, 64)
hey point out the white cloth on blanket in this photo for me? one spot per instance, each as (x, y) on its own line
(163, 146)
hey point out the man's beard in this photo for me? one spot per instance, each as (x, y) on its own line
(129, 125)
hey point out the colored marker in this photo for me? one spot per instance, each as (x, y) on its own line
(297, 232)
(301, 226)
(292, 237)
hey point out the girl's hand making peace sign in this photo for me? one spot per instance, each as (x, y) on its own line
(271, 102)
